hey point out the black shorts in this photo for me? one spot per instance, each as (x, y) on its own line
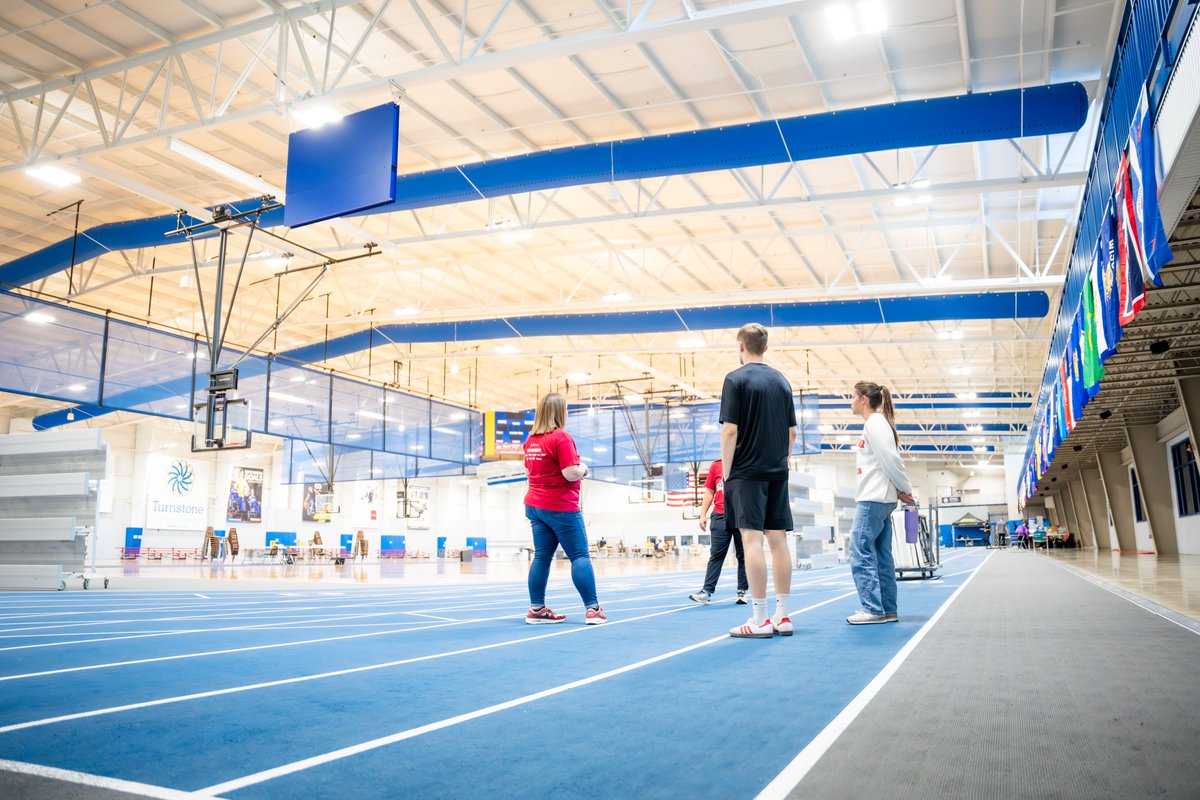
(757, 505)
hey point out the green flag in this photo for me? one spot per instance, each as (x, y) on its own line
(1093, 368)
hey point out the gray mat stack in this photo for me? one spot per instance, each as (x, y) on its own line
(47, 493)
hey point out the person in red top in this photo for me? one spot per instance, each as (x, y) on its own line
(552, 508)
(714, 498)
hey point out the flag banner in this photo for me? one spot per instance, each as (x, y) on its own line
(1133, 286)
(1110, 291)
(1151, 240)
(1064, 373)
(1093, 370)
(1075, 351)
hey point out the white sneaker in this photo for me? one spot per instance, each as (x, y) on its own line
(752, 631)
(863, 618)
(702, 597)
(892, 617)
(784, 626)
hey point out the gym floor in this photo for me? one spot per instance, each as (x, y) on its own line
(439, 690)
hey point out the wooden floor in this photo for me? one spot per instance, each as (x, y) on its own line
(1171, 581)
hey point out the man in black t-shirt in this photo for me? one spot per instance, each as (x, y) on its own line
(758, 417)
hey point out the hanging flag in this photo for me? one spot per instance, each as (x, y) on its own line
(1151, 242)
(1064, 374)
(1075, 353)
(1133, 287)
(1061, 428)
(1107, 264)
(1093, 369)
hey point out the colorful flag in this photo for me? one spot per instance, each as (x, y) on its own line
(1093, 369)
(1133, 286)
(1151, 241)
(1107, 264)
(1075, 353)
(1064, 374)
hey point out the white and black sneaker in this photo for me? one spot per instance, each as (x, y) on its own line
(741, 598)
(863, 618)
(702, 597)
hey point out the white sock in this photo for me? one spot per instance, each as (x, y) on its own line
(781, 606)
(759, 607)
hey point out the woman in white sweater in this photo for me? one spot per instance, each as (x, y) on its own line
(881, 481)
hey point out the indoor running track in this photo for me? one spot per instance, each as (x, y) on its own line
(435, 691)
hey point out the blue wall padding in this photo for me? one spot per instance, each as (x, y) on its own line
(1058, 108)
(343, 168)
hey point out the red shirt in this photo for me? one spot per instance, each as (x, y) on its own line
(546, 455)
(717, 484)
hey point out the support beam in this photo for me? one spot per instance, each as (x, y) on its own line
(1066, 511)
(1115, 480)
(1154, 479)
(1189, 398)
(1093, 490)
(1085, 534)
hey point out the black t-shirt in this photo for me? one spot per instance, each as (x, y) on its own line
(758, 399)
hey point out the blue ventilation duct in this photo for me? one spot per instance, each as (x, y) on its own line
(1059, 108)
(998, 305)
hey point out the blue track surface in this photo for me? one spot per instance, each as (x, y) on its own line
(160, 688)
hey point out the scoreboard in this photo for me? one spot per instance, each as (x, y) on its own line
(504, 432)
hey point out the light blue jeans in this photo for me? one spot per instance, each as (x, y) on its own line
(871, 562)
(551, 529)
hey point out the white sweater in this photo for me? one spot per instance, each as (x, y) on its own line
(880, 470)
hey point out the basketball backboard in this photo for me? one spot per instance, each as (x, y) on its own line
(231, 426)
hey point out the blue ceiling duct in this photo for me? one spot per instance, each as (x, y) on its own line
(997, 305)
(1038, 111)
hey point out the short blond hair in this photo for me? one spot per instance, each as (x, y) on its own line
(551, 414)
(754, 336)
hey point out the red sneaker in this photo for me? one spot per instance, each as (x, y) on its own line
(543, 616)
(596, 616)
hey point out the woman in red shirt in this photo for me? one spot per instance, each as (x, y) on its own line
(552, 508)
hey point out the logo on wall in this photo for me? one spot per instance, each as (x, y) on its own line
(180, 478)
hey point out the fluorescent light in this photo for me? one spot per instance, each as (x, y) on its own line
(406, 311)
(599, 449)
(222, 168)
(871, 18)
(976, 439)
(842, 438)
(185, 281)
(609, 478)
(519, 235)
(354, 436)
(633, 397)
(631, 457)
(297, 379)
(956, 335)
(39, 317)
(278, 262)
(902, 201)
(468, 456)
(975, 428)
(980, 449)
(287, 398)
(53, 175)
(76, 387)
(453, 367)
(369, 415)
(616, 297)
(459, 416)
(400, 427)
(923, 183)
(841, 21)
(507, 350)
(448, 431)
(578, 377)
(691, 343)
(709, 427)
(315, 116)
(967, 395)
(180, 406)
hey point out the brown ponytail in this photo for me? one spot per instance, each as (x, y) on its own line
(881, 400)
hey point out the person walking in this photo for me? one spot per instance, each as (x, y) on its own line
(719, 538)
(881, 481)
(758, 430)
(552, 508)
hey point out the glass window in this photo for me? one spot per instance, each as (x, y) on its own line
(1187, 478)
(1139, 513)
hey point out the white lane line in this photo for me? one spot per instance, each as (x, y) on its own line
(206, 597)
(334, 673)
(794, 773)
(96, 781)
(427, 616)
(383, 741)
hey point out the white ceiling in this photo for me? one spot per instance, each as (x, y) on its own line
(553, 73)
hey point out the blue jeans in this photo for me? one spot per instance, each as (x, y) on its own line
(871, 562)
(550, 529)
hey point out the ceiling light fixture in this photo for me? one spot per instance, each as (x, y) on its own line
(865, 17)
(53, 176)
(223, 168)
(507, 350)
(315, 115)
(39, 317)
(406, 311)
(616, 297)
